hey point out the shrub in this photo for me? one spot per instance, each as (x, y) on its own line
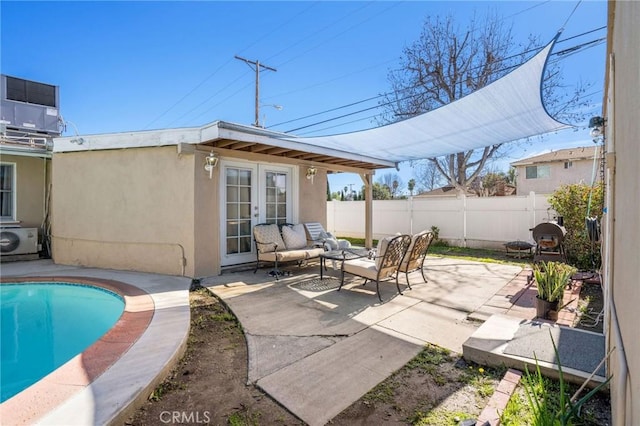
(573, 203)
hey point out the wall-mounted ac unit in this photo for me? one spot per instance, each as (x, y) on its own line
(18, 240)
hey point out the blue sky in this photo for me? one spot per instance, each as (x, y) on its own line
(126, 66)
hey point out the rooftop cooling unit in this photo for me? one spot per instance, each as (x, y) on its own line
(18, 241)
(29, 106)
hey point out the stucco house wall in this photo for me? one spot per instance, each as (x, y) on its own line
(152, 209)
(622, 238)
(32, 180)
(313, 199)
(124, 209)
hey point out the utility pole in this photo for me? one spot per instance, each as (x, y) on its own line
(256, 65)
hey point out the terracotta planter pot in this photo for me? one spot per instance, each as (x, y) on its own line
(546, 309)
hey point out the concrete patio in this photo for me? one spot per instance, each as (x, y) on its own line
(316, 350)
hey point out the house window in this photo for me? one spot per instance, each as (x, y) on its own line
(568, 164)
(538, 172)
(7, 191)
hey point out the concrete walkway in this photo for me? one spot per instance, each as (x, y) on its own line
(316, 351)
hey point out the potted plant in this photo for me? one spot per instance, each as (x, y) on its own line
(551, 280)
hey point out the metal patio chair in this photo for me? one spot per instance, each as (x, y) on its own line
(385, 264)
(416, 254)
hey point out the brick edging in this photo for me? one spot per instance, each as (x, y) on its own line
(498, 401)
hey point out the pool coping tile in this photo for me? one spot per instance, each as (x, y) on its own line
(29, 405)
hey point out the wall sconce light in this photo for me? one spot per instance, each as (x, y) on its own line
(210, 163)
(596, 124)
(311, 173)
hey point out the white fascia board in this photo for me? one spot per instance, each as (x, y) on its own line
(210, 132)
(150, 138)
(22, 152)
(226, 133)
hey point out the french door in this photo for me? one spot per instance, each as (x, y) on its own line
(250, 194)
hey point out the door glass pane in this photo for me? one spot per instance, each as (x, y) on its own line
(245, 195)
(232, 176)
(276, 194)
(282, 196)
(238, 220)
(232, 211)
(271, 195)
(271, 210)
(245, 211)
(282, 210)
(244, 177)
(232, 194)
(245, 227)
(232, 245)
(245, 244)
(232, 229)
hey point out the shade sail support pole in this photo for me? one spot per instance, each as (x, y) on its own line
(367, 179)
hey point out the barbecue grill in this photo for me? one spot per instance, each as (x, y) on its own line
(549, 238)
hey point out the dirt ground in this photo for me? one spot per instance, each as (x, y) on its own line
(590, 307)
(208, 386)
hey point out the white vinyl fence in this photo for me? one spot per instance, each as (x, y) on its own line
(478, 222)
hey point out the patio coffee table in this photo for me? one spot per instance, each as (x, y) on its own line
(341, 255)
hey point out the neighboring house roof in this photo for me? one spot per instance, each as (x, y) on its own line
(447, 190)
(573, 154)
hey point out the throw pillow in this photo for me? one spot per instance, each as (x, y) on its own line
(268, 236)
(330, 241)
(294, 237)
(380, 251)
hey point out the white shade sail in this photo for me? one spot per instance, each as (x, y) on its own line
(506, 110)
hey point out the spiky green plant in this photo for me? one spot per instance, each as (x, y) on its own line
(545, 411)
(551, 279)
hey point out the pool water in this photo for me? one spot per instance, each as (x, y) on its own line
(44, 325)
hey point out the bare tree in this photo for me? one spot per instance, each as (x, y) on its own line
(448, 62)
(427, 175)
(394, 182)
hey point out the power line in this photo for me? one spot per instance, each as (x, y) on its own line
(351, 27)
(505, 69)
(207, 78)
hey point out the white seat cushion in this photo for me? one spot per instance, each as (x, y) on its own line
(294, 237)
(314, 252)
(362, 267)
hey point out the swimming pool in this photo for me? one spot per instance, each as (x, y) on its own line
(45, 324)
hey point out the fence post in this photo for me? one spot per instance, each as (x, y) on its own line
(532, 204)
(464, 219)
(411, 214)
